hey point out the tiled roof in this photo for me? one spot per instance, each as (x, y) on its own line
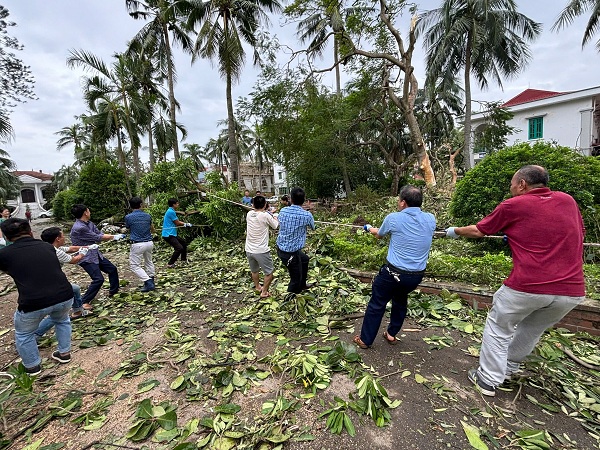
(34, 174)
(530, 95)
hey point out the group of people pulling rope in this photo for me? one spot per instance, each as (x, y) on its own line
(544, 230)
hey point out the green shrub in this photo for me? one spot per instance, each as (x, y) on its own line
(487, 184)
(102, 187)
(62, 203)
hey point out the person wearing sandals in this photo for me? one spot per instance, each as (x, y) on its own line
(258, 223)
(85, 232)
(66, 255)
(43, 291)
(411, 232)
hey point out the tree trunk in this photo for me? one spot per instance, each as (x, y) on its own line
(151, 147)
(231, 140)
(170, 82)
(336, 56)
(467, 150)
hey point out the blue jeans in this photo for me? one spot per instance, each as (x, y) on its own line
(95, 273)
(48, 323)
(386, 288)
(27, 324)
(297, 266)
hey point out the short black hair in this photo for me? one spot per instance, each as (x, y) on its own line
(412, 195)
(78, 210)
(171, 202)
(50, 235)
(15, 227)
(135, 202)
(259, 202)
(534, 175)
(298, 196)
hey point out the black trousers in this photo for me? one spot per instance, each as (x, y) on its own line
(297, 266)
(179, 246)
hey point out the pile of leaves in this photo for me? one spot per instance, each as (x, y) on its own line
(215, 345)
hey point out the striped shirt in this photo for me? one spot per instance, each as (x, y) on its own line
(293, 221)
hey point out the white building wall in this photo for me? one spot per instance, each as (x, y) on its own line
(569, 119)
(562, 123)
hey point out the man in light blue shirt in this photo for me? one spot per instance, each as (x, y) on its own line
(169, 233)
(411, 233)
(293, 221)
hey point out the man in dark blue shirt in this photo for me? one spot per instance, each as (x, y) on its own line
(140, 227)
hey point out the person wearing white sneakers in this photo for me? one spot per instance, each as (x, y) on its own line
(545, 233)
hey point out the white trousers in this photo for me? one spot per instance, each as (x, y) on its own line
(514, 326)
(140, 260)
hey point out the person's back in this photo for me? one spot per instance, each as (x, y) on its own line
(37, 273)
(545, 234)
(257, 231)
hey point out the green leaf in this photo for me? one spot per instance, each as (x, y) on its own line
(228, 408)
(167, 421)
(166, 435)
(420, 378)
(34, 445)
(146, 386)
(472, 433)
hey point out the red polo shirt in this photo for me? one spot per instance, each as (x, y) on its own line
(545, 233)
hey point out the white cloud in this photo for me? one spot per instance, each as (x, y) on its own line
(49, 29)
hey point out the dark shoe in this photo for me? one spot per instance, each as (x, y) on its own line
(31, 371)
(485, 389)
(63, 359)
(113, 293)
(308, 286)
(148, 286)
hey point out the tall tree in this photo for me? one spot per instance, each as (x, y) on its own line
(483, 38)
(16, 80)
(576, 8)
(165, 24)
(195, 152)
(223, 25)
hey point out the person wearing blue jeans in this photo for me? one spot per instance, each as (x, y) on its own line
(411, 233)
(85, 233)
(44, 291)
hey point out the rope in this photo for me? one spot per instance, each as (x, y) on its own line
(436, 234)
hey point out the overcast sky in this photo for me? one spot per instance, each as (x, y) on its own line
(49, 29)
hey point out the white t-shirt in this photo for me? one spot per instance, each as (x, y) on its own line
(257, 231)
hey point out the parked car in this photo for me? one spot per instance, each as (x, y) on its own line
(46, 214)
(273, 199)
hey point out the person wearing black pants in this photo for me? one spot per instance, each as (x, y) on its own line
(169, 233)
(293, 221)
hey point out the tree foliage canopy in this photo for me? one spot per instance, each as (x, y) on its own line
(486, 185)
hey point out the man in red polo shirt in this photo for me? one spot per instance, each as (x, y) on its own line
(545, 233)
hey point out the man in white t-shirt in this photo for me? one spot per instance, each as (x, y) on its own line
(259, 221)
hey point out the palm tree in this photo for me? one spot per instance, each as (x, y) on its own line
(194, 152)
(65, 177)
(217, 153)
(576, 8)
(224, 24)
(484, 38)
(165, 24)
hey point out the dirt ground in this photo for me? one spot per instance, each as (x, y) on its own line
(429, 416)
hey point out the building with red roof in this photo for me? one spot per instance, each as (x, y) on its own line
(571, 119)
(31, 196)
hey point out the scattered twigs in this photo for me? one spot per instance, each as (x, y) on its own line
(570, 354)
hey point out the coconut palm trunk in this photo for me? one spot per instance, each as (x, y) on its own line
(171, 83)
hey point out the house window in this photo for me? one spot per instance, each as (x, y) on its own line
(536, 128)
(28, 196)
(280, 175)
(283, 191)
